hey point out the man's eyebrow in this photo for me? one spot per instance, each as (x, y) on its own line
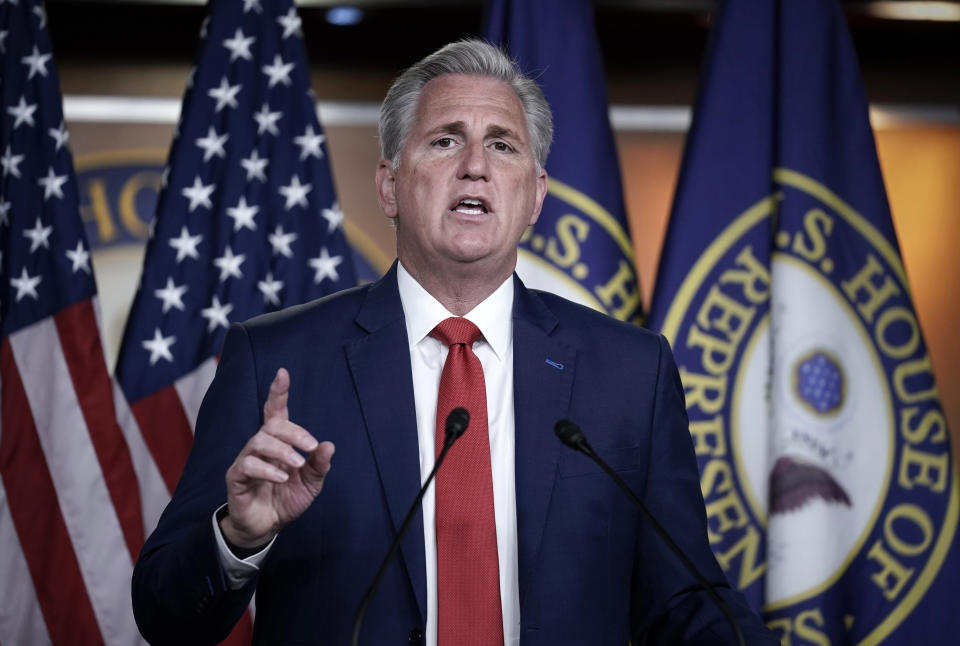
(454, 128)
(501, 131)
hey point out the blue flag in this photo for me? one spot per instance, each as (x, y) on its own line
(247, 221)
(824, 453)
(580, 248)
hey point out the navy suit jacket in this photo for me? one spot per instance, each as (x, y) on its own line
(591, 571)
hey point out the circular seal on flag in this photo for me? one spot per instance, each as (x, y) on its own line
(824, 456)
(581, 251)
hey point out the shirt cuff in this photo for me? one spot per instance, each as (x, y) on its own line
(238, 571)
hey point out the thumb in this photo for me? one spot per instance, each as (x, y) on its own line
(276, 404)
(318, 464)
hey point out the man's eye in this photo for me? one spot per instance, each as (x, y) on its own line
(502, 147)
(443, 142)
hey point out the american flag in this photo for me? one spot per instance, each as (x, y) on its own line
(247, 221)
(71, 521)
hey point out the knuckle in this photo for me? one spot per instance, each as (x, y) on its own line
(250, 464)
(273, 426)
(255, 445)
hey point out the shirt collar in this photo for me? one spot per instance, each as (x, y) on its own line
(423, 312)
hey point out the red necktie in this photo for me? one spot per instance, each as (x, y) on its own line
(468, 573)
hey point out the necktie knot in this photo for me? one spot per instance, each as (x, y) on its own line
(456, 330)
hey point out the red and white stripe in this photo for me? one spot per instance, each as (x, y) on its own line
(21, 621)
(154, 495)
(167, 418)
(163, 424)
(83, 478)
(71, 491)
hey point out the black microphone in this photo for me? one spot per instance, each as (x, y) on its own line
(571, 435)
(453, 428)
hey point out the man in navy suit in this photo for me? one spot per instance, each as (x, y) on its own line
(464, 136)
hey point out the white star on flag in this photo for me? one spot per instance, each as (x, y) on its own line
(11, 163)
(242, 215)
(333, 216)
(171, 295)
(41, 14)
(199, 194)
(295, 192)
(4, 212)
(216, 314)
(278, 72)
(325, 266)
(26, 285)
(267, 121)
(60, 135)
(290, 23)
(52, 184)
(255, 166)
(310, 144)
(159, 347)
(37, 62)
(80, 258)
(239, 46)
(225, 95)
(280, 242)
(221, 229)
(270, 289)
(186, 244)
(212, 144)
(39, 236)
(229, 264)
(22, 113)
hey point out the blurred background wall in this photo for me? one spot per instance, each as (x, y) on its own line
(124, 66)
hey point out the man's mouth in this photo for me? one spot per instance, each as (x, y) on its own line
(470, 206)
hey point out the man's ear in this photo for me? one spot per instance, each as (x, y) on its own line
(541, 194)
(387, 188)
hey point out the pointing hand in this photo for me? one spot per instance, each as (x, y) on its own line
(270, 483)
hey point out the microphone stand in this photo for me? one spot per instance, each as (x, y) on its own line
(571, 435)
(455, 426)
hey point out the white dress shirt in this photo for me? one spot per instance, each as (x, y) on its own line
(494, 317)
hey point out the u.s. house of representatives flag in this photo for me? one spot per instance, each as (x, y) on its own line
(826, 467)
(247, 220)
(71, 521)
(580, 247)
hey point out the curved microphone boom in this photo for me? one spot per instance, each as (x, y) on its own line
(456, 425)
(571, 435)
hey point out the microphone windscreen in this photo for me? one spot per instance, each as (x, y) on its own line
(569, 433)
(457, 422)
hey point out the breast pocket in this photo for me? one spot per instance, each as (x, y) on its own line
(621, 460)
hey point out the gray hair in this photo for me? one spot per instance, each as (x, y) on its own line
(473, 57)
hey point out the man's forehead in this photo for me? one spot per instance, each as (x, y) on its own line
(452, 92)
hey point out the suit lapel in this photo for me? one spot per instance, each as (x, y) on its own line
(543, 381)
(380, 365)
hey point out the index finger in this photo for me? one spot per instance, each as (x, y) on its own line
(276, 404)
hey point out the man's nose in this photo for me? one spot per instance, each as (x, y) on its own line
(473, 162)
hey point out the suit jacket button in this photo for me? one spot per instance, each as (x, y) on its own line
(416, 637)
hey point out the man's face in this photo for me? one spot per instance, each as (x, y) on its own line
(467, 184)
